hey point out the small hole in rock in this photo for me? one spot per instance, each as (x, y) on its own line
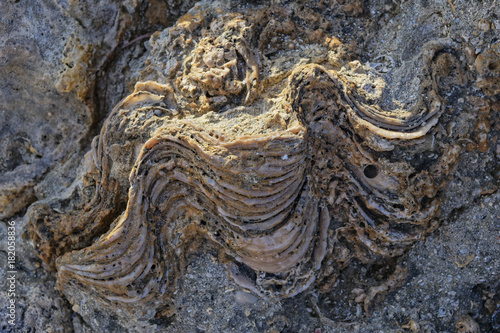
(371, 171)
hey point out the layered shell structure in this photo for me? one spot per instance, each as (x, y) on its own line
(288, 164)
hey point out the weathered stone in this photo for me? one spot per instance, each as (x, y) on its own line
(356, 127)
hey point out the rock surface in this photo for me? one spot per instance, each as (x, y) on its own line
(413, 211)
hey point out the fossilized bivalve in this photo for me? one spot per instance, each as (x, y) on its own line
(291, 173)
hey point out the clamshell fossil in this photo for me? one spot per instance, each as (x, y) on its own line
(291, 166)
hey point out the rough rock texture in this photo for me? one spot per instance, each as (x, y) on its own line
(276, 167)
(50, 53)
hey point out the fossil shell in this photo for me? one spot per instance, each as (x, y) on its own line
(292, 170)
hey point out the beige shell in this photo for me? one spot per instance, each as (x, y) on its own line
(290, 166)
